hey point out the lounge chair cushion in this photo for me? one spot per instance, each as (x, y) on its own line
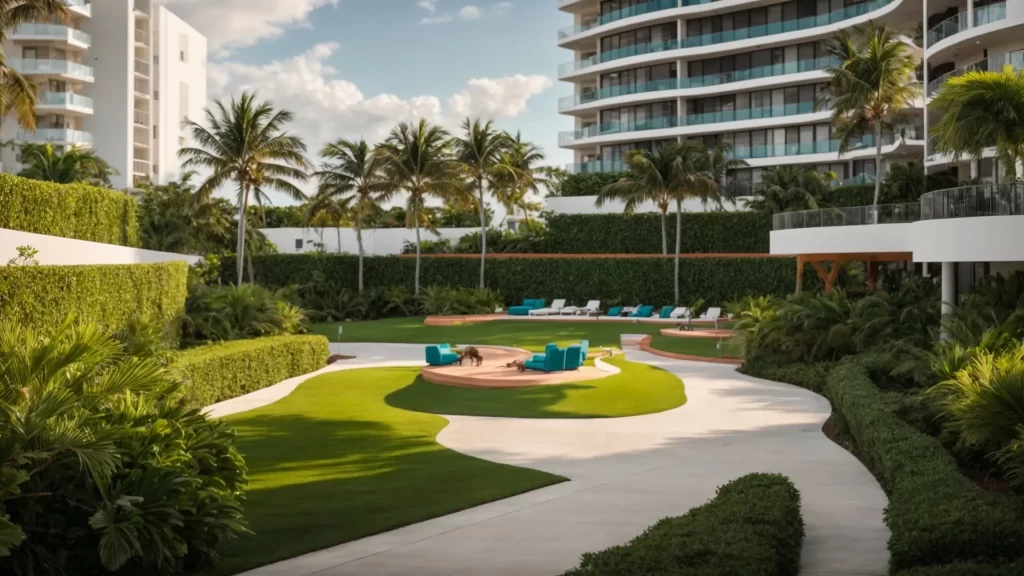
(440, 355)
(666, 312)
(524, 310)
(615, 311)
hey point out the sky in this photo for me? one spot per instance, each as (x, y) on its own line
(355, 68)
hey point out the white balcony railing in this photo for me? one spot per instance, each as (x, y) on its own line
(141, 117)
(141, 36)
(62, 135)
(64, 99)
(142, 67)
(51, 31)
(142, 86)
(140, 167)
(52, 67)
(82, 6)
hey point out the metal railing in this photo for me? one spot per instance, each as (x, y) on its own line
(615, 15)
(990, 64)
(959, 22)
(973, 201)
(851, 216)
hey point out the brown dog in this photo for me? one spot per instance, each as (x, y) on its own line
(475, 359)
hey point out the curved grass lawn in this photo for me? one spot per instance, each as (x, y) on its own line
(332, 462)
(637, 389)
(707, 347)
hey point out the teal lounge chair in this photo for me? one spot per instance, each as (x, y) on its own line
(666, 311)
(524, 310)
(645, 311)
(441, 355)
(615, 311)
(573, 358)
(553, 361)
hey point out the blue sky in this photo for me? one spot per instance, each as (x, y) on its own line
(356, 67)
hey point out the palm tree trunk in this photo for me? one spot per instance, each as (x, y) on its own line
(878, 168)
(338, 230)
(679, 243)
(664, 234)
(241, 233)
(359, 241)
(416, 285)
(483, 230)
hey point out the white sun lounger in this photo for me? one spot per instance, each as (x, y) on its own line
(680, 312)
(712, 314)
(555, 308)
(592, 307)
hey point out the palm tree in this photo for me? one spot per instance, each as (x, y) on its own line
(982, 109)
(478, 152)
(721, 162)
(416, 160)
(246, 143)
(175, 218)
(787, 189)
(17, 94)
(874, 81)
(43, 162)
(326, 209)
(521, 176)
(351, 180)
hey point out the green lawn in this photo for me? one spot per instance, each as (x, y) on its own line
(333, 462)
(638, 389)
(528, 335)
(696, 346)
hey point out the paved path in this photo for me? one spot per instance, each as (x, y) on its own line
(626, 473)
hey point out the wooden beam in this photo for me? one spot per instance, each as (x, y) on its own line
(799, 274)
(861, 257)
(872, 275)
(833, 274)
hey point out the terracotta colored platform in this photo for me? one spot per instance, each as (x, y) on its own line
(709, 334)
(494, 374)
(453, 320)
(645, 345)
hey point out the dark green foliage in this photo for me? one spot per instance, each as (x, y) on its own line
(108, 296)
(967, 569)
(809, 376)
(935, 514)
(68, 211)
(221, 371)
(588, 184)
(277, 216)
(531, 241)
(703, 233)
(216, 313)
(647, 280)
(753, 526)
(442, 301)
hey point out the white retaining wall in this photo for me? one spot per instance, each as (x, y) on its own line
(585, 205)
(54, 250)
(381, 242)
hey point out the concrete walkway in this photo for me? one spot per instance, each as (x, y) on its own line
(626, 473)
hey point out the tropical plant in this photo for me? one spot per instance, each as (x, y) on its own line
(720, 163)
(101, 468)
(351, 181)
(751, 314)
(17, 93)
(415, 160)
(522, 178)
(217, 313)
(634, 191)
(982, 109)
(870, 87)
(26, 256)
(478, 152)
(176, 218)
(788, 189)
(444, 301)
(246, 142)
(43, 162)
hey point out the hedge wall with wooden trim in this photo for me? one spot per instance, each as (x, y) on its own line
(626, 280)
(68, 211)
(703, 233)
(109, 296)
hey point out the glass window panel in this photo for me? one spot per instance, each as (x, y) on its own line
(806, 134)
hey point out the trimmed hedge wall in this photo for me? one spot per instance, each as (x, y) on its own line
(629, 280)
(936, 515)
(68, 211)
(966, 570)
(109, 296)
(703, 233)
(224, 370)
(752, 526)
(588, 183)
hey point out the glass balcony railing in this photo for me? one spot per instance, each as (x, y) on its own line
(989, 14)
(615, 15)
(597, 166)
(618, 128)
(624, 52)
(52, 67)
(587, 97)
(54, 31)
(991, 64)
(959, 22)
(84, 5)
(974, 201)
(64, 99)
(62, 135)
(750, 113)
(851, 216)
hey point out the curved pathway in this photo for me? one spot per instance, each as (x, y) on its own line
(626, 473)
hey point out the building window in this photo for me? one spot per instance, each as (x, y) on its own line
(298, 243)
(156, 131)
(184, 48)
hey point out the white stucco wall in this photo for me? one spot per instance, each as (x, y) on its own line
(585, 205)
(66, 252)
(383, 242)
(983, 239)
(842, 239)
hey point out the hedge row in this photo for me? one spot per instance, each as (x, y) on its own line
(588, 183)
(935, 514)
(968, 569)
(217, 372)
(703, 233)
(626, 280)
(68, 211)
(109, 296)
(753, 526)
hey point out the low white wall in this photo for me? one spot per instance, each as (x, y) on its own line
(982, 239)
(585, 205)
(842, 239)
(382, 242)
(66, 251)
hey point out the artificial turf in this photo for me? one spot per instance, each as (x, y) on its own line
(637, 389)
(332, 462)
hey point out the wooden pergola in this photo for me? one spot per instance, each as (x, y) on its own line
(829, 276)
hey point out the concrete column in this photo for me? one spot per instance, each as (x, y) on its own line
(970, 13)
(974, 169)
(924, 269)
(948, 287)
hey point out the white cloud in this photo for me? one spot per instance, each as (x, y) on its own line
(231, 24)
(428, 5)
(469, 13)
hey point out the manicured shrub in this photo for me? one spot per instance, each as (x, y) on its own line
(703, 233)
(809, 376)
(752, 526)
(108, 296)
(969, 569)
(217, 313)
(589, 183)
(68, 211)
(627, 280)
(935, 514)
(221, 371)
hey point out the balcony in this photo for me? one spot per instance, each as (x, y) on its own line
(30, 66)
(141, 36)
(991, 64)
(596, 130)
(64, 100)
(65, 34)
(140, 167)
(597, 166)
(974, 201)
(142, 67)
(587, 97)
(752, 32)
(56, 135)
(851, 216)
(958, 23)
(752, 113)
(627, 12)
(83, 7)
(140, 117)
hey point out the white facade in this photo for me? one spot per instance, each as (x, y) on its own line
(56, 251)
(98, 86)
(747, 72)
(588, 205)
(380, 242)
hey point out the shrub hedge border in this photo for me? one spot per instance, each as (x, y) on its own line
(224, 370)
(73, 211)
(702, 232)
(752, 526)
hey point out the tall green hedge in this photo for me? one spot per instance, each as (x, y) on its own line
(703, 233)
(68, 211)
(225, 370)
(588, 183)
(109, 296)
(629, 280)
